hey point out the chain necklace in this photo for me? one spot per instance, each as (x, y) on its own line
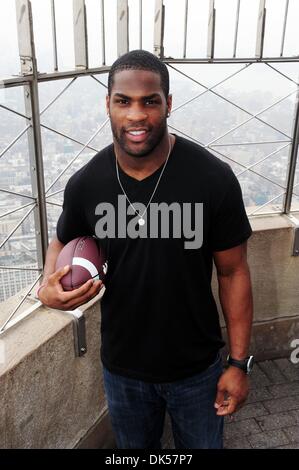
(141, 220)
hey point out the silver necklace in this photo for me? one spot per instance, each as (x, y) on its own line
(141, 220)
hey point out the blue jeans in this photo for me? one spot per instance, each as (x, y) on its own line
(137, 410)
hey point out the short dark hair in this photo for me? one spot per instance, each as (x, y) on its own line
(140, 60)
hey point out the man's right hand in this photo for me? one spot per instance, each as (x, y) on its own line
(52, 294)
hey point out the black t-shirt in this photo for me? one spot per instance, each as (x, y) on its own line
(159, 318)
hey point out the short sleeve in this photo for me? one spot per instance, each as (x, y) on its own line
(71, 223)
(230, 225)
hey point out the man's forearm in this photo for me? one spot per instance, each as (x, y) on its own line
(55, 247)
(236, 301)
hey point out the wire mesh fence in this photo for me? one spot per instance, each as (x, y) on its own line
(242, 108)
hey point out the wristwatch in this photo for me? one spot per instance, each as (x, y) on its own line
(245, 365)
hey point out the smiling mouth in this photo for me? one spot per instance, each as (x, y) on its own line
(137, 132)
(137, 135)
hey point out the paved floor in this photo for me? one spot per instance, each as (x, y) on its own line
(270, 418)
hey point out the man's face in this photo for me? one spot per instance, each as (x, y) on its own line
(138, 110)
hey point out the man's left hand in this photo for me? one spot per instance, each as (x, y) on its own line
(232, 391)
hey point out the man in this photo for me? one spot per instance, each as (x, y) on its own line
(160, 329)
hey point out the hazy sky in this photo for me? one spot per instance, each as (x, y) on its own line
(174, 30)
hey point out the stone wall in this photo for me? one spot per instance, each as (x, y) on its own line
(50, 398)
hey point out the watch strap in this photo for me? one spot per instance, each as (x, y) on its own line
(245, 365)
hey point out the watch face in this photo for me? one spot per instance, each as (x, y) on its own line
(245, 365)
(250, 364)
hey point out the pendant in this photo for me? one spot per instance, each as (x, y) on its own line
(141, 221)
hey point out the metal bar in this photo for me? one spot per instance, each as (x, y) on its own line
(37, 171)
(263, 214)
(236, 28)
(202, 144)
(186, 28)
(208, 89)
(26, 45)
(230, 144)
(14, 141)
(76, 156)
(252, 171)
(17, 226)
(31, 99)
(19, 268)
(13, 111)
(266, 203)
(262, 160)
(140, 24)
(296, 241)
(159, 29)
(2, 328)
(54, 203)
(48, 77)
(186, 135)
(80, 34)
(211, 30)
(284, 27)
(292, 161)
(260, 35)
(79, 332)
(236, 60)
(22, 316)
(73, 73)
(283, 74)
(16, 210)
(103, 32)
(68, 137)
(13, 82)
(54, 35)
(227, 157)
(78, 321)
(54, 193)
(122, 27)
(17, 194)
(99, 81)
(58, 96)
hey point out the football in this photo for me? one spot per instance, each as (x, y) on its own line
(87, 261)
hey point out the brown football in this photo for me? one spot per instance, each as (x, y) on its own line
(87, 261)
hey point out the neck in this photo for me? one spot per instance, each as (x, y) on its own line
(141, 167)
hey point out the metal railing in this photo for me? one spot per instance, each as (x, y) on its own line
(30, 79)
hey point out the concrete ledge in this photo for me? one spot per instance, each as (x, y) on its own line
(50, 398)
(261, 223)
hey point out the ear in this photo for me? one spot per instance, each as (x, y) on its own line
(107, 104)
(169, 103)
